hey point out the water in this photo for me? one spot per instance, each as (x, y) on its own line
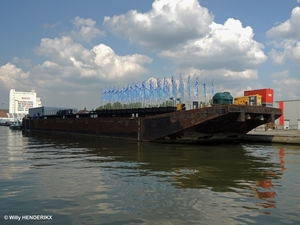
(81, 180)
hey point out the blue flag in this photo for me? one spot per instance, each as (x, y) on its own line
(174, 87)
(189, 86)
(196, 88)
(181, 88)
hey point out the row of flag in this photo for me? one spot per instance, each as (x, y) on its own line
(153, 90)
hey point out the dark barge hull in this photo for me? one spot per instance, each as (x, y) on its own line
(210, 124)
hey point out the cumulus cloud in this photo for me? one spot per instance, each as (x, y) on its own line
(289, 51)
(71, 62)
(286, 39)
(69, 68)
(85, 29)
(180, 30)
(167, 24)
(21, 61)
(13, 77)
(184, 31)
(288, 29)
(228, 46)
(60, 50)
(115, 66)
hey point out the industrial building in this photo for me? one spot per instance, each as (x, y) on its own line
(290, 119)
(19, 104)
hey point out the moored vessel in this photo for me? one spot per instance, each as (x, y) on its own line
(163, 124)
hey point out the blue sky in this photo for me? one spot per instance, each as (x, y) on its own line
(69, 51)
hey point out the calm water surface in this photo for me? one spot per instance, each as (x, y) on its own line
(80, 180)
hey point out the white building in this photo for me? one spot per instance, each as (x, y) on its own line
(20, 102)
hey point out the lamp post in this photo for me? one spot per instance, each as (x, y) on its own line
(173, 101)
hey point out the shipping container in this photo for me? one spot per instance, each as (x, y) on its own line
(47, 111)
(248, 100)
(267, 95)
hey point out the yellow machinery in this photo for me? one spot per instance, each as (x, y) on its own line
(180, 107)
(248, 100)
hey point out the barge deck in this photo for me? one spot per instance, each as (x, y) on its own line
(216, 123)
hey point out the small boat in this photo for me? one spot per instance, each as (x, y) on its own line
(16, 125)
(7, 124)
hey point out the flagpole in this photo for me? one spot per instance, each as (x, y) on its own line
(204, 87)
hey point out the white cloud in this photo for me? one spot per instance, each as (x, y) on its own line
(281, 74)
(115, 66)
(282, 85)
(286, 39)
(289, 51)
(60, 50)
(70, 69)
(228, 46)
(52, 25)
(184, 31)
(13, 77)
(85, 29)
(23, 61)
(72, 63)
(101, 61)
(168, 24)
(288, 29)
(286, 87)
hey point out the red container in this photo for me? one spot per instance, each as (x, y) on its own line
(267, 94)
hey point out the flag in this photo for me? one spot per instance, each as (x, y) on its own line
(174, 88)
(181, 88)
(196, 88)
(168, 94)
(189, 86)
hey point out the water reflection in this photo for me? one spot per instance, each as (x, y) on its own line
(85, 180)
(11, 144)
(220, 168)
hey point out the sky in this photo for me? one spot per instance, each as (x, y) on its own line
(68, 52)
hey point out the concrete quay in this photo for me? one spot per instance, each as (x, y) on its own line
(274, 136)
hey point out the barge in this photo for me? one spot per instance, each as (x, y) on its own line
(217, 123)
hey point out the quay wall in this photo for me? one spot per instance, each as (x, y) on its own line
(273, 136)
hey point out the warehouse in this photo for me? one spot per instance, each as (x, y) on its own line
(290, 119)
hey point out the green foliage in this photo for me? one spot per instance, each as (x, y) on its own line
(118, 105)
